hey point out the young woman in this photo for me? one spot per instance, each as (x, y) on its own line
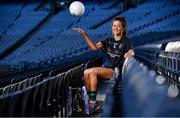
(117, 48)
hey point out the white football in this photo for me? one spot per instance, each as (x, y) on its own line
(77, 8)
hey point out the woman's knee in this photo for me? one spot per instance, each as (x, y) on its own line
(87, 72)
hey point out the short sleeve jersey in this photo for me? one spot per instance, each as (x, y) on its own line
(114, 52)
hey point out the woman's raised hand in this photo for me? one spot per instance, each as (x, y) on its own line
(81, 31)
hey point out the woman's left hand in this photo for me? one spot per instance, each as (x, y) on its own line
(130, 53)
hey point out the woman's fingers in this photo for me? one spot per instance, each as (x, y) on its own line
(81, 30)
(78, 30)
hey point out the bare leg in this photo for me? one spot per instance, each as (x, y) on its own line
(93, 82)
(87, 79)
(91, 76)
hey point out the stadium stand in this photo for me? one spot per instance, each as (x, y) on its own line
(18, 31)
(41, 56)
(163, 56)
(143, 96)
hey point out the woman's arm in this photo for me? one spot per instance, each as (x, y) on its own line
(93, 46)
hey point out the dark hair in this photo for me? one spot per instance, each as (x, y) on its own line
(123, 21)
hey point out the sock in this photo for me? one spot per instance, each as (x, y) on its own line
(92, 98)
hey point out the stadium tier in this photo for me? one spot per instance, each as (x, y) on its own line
(41, 56)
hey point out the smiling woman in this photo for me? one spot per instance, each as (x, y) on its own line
(117, 48)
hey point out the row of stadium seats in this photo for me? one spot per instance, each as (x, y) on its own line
(18, 31)
(44, 35)
(146, 94)
(148, 53)
(159, 16)
(20, 85)
(44, 98)
(16, 1)
(147, 8)
(169, 64)
(6, 19)
(97, 17)
(9, 12)
(155, 36)
(164, 57)
(108, 4)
